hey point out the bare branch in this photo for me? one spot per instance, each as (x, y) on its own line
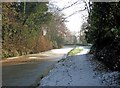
(74, 13)
(69, 6)
(87, 4)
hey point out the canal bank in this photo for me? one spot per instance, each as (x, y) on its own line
(81, 70)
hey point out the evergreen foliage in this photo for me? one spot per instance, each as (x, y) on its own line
(103, 32)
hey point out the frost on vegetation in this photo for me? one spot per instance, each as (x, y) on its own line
(107, 77)
(110, 78)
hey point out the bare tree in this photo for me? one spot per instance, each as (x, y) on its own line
(87, 5)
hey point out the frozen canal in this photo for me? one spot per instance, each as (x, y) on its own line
(27, 70)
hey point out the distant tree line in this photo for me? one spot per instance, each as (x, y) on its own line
(103, 31)
(28, 27)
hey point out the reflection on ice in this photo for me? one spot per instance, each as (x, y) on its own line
(32, 57)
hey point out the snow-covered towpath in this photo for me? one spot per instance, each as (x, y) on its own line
(78, 70)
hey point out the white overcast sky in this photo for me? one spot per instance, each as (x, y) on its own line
(76, 20)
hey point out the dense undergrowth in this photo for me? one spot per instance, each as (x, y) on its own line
(103, 32)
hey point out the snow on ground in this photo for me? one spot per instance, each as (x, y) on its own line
(78, 71)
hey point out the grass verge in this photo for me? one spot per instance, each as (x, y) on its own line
(74, 51)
